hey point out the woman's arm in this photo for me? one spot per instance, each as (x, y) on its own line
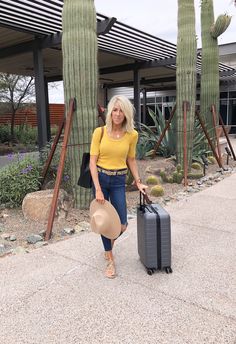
(132, 164)
(94, 174)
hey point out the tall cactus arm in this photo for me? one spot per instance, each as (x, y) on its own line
(221, 24)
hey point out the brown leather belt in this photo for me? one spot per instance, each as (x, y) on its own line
(112, 172)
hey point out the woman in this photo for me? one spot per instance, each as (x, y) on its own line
(109, 159)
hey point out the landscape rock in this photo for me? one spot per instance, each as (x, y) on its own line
(82, 227)
(40, 244)
(36, 205)
(19, 250)
(5, 236)
(69, 230)
(33, 238)
(12, 238)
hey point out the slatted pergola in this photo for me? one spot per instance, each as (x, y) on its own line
(30, 44)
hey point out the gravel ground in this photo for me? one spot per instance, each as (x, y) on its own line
(13, 222)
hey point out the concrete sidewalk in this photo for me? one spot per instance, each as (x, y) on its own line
(57, 294)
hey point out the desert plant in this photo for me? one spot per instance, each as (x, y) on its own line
(195, 175)
(79, 48)
(175, 177)
(186, 76)
(196, 166)
(17, 179)
(211, 159)
(144, 148)
(150, 135)
(152, 180)
(157, 191)
(210, 31)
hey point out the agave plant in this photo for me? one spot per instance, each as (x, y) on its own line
(150, 135)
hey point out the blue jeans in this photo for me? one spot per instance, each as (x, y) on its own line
(113, 188)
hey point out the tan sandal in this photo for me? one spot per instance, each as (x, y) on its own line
(110, 271)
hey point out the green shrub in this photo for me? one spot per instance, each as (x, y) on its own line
(157, 191)
(196, 166)
(26, 134)
(5, 133)
(17, 179)
(152, 180)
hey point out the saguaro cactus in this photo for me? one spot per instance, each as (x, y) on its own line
(210, 31)
(186, 75)
(79, 48)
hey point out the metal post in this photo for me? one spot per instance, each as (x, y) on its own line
(137, 96)
(144, 105)
(47, 110)
(213, 110)
(40, 97)
(164, 131)
(227, 137)
(51, 154)
(208, 139)
(60, 169)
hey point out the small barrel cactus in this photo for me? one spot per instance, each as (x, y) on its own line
(164, 176)
(152, 180)
(157, 191)
(211, 159)
(177, 177)
(196, 175)
(196, 166)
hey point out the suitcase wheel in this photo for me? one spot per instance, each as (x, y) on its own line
(150, 271)
(168, 270)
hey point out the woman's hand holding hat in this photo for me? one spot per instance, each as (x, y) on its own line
(99, 196)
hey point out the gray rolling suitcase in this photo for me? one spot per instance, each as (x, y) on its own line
(154, 236)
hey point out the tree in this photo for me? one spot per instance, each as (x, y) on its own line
(79, 48)
(16, 91)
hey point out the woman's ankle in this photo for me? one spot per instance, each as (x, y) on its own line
(109, 255)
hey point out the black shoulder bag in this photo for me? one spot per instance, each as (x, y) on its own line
(85, 179)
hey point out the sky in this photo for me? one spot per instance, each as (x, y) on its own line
(159, 18)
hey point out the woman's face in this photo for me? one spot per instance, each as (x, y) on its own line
(117, 115)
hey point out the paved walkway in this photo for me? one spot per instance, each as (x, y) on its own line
(57, 294)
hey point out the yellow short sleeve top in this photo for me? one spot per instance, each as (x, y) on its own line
(112, 153)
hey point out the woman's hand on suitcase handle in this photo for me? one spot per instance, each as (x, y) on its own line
(142, 187)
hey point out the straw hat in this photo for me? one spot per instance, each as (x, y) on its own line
(104, 219)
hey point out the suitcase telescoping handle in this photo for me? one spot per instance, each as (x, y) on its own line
(144, 199)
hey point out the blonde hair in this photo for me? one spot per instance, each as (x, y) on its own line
(128, 110)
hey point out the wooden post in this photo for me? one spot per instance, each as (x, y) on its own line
(51, 154)
(227, 136)
(208, 139)
(164, 131)
(185, 108)
(213, 110)
(60, 169)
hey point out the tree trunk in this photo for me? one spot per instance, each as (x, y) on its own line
(13, 115)
(186, 76)
(79, 47)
